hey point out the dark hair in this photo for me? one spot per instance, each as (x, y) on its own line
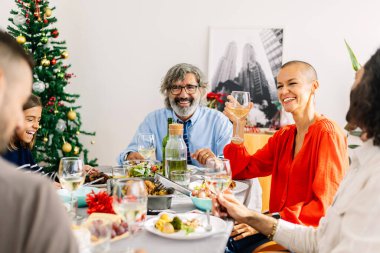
(177, 73)
(364, 110)
(33, 101)
(10, 49)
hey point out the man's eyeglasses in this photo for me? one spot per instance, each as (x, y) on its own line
(177, 89)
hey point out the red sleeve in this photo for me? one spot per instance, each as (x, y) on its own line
(331, 162)
(245, 166)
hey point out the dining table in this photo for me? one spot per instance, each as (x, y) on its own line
(152, 243)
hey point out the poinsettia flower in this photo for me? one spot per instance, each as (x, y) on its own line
(99, 203)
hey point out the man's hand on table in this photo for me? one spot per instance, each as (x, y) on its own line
(135, 156)
(202, 154)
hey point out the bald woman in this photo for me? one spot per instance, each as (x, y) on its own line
(307, 160)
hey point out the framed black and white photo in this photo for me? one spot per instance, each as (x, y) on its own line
(248, 59)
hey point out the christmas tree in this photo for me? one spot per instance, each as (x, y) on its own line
(32, 24)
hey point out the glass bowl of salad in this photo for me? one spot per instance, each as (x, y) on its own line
(142, 168)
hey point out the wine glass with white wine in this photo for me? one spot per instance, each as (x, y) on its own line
(71, 175)
(239, 108)
(218, 176)
(146, 145)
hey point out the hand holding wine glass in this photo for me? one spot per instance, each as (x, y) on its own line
(237, 109)
(146, 145)
(71, 175)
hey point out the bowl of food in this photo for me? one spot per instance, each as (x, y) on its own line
(159, 196)
(204, 204)
(142, 168)
(200, 195)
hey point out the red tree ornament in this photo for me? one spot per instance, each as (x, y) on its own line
(54, 33)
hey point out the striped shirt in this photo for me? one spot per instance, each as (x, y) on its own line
(23, 159)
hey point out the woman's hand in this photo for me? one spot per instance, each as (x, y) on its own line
(201, 155)
(230, 115)
(227, 205)
(241, 231)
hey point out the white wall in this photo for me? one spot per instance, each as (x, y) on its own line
(121, 49)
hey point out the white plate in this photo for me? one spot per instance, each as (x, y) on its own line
(218, 226)
(240, 186)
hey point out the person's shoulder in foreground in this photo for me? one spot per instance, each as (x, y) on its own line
(32, 217)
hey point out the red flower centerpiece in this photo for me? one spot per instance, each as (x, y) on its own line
(99, 203)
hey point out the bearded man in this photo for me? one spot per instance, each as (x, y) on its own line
(206, 131)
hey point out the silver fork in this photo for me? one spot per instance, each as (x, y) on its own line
(208, 227)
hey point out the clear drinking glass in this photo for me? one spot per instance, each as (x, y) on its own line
(146, 145)
(240, 109)
(218, 175)
(100, 235)
(181, 177)
(71, 175)
(130, 200)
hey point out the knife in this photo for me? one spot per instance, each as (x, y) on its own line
(168, 183)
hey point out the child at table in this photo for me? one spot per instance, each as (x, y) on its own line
(21, 144)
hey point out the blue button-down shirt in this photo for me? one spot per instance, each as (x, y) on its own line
(209, 128)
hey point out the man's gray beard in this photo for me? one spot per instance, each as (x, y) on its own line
(185, 111)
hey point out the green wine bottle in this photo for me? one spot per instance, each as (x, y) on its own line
(164, 142)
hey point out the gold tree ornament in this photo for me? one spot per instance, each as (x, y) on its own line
(65, 55)
(76, 150)
(71, 115)
(45, 139)
(66, 147)
(21, 39)
(48, 12)
(45, 62)
(93, 142)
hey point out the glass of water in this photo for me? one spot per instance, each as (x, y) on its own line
(181, 177)
(130, 200)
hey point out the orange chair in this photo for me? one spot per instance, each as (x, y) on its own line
(253, 142)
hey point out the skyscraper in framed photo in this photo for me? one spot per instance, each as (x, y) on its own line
(248, 60)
